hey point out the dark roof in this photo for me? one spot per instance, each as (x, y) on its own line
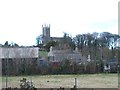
(57, 38)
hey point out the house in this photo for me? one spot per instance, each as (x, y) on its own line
(17, 58)
(18, 52)
(111, 65)
(61, 55)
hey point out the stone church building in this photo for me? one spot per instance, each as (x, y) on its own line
(46, 35)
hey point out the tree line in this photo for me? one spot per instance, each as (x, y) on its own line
(100, 46)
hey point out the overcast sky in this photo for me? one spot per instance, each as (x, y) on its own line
(21, 20)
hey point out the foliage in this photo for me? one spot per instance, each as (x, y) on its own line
(12, 44)
(97, 45)
(49, 44)
(39, 40)
(6, 43)
(24, 84)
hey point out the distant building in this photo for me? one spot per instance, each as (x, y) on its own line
(46, 35)
(61, 55)
(17, 58)
(18, 52)
(112, 65)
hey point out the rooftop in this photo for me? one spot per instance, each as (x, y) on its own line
(19, 52)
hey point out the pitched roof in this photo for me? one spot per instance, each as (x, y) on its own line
(19, 52)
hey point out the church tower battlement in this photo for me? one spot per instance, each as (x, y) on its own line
(46, 33)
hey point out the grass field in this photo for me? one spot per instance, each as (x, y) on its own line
(43, 54)
(67, 81)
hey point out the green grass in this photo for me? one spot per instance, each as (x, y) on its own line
(43, 54)
(67, 81)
